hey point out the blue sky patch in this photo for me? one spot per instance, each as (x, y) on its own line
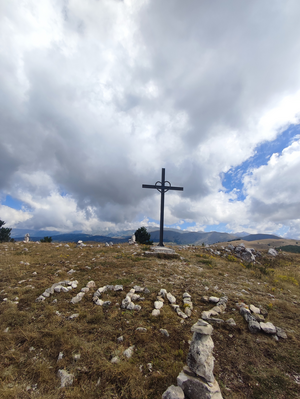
(13, 203)
(233, 179)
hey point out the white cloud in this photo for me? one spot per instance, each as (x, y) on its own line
(278, 182)
(13, 217)
(97, 97)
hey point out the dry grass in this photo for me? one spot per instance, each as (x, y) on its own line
(246, 366)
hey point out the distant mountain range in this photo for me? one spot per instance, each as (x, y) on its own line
(196, 238)
(178, 237)
(255, 237)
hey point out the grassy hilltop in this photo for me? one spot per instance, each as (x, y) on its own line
(33, 334)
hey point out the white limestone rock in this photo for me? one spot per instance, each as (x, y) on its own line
(158, 304)
(74, 316)
(71, 271)
(66, 379)
(77, 298)
(196, 388)
(173, 392)
(141, 329)
(126, 301)
(231, 322)
(164, 332)
(171, 298)
(130, 306)
(202, 327)
(155, 312)
(187, 311)
(181, 314)
(98, 301)
(135, 297)
(217, 309)
(254, 309)
(162, 293)
(213, 299)
(137, 288)
(281, 333)
(129, 352)
(272, 252)
(102, 289)
(200, 359)
(268, 328)
(254, 326)
(41, 298)
(244, 311)
(207, 314)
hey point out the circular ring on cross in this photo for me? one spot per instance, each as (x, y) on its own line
(159, 185)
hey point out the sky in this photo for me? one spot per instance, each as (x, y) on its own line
(96, 97)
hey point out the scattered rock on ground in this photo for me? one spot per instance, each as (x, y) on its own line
(66, 379)
(173, 392)
(129, 352)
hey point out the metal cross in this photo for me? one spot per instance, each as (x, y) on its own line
(162, 186)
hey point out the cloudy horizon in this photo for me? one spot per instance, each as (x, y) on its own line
(98, 96)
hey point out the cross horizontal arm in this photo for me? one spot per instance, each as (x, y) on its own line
(162, 187)
(149, 186)
(174, 188)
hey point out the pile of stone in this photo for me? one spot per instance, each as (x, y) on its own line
(243, 253)
(188, 304)
(131, 297)
(255, 317)
(177, 309)
(246, 254)
(159, 303)
(80, 244)
(103, 289)
(220, 306)
(196, 380)
(158, 251)
(62, 286)
(26, 238)
(132, 240)
(84, 290)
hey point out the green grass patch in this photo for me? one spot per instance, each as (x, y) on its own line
(295, 249)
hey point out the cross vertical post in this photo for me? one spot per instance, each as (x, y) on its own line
(162, 206)
(162, 186)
